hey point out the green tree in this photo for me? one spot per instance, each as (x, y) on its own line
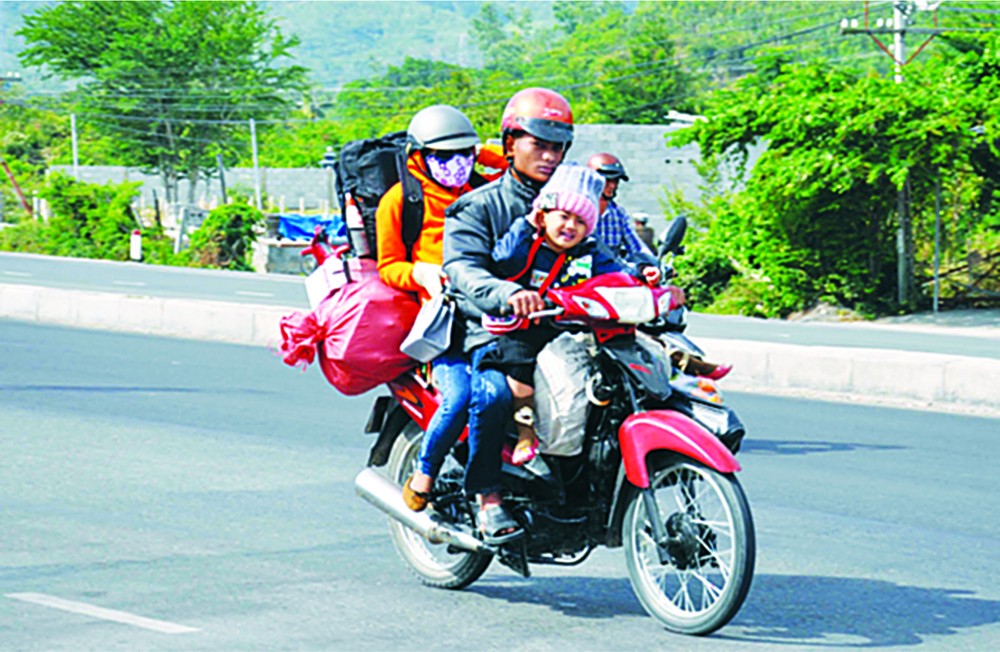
(816, 218)
(171, 83)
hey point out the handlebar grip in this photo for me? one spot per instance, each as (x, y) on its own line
(555, 311)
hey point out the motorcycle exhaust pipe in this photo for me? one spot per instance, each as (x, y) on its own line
(388, 497)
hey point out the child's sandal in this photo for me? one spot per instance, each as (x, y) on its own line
(524, 451)
(526, 448)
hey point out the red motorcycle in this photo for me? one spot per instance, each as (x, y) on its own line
(655, 471)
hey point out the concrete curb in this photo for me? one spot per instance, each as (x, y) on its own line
(220, 321)
(928, 380)
(882, 375)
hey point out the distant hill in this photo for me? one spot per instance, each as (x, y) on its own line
(11, 12)
(341, 41)
(344, 41)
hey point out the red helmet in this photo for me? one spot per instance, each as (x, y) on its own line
(540, 112)
(609, 165)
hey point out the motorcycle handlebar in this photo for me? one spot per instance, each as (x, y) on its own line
(554, 311)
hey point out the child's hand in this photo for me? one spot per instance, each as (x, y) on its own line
(651, 274)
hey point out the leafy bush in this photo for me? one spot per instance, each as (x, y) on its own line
(226, 238)
(88, 221)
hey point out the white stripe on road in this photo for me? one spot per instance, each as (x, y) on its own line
(255, 294)
(17, 274)
(100, 612)
(134, 284)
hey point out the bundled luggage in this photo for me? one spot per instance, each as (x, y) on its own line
(356, 331)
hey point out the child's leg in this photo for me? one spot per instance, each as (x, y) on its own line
(524, 419)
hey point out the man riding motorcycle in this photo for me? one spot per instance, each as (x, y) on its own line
(536, 130)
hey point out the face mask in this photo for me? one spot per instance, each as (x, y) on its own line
(451, 172)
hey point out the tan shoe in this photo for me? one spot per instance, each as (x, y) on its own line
(415, 500)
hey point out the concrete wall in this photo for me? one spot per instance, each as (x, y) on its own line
(652, 168)
(288, 185)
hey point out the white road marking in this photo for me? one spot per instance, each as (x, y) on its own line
(255, 294)
(100, 612)
(17, 274)
(134, 284)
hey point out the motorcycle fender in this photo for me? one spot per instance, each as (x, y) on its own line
(394, 422)
(419, 401)
(413, 401)
(645, 432)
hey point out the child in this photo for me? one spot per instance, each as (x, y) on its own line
(550, 247)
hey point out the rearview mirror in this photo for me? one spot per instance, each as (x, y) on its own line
(673, 236)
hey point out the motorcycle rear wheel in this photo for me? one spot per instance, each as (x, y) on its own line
(432, 563)
(711, 565)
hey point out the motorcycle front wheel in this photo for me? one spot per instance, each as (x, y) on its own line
(710, 554)
(433, 563)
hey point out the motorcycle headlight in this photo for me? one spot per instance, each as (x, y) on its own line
(713, 418)
(633, 305)
(592, 308)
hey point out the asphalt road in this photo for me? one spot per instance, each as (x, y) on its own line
(285, 290)
(207, 488)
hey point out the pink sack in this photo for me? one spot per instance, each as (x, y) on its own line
(358, 330)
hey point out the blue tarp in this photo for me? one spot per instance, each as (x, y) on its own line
(293, 226)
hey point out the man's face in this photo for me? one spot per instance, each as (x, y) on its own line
(536, 158)
(610, 188)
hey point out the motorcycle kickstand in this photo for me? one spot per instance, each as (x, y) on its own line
(514, 555)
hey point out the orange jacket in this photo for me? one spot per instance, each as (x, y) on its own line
(393, 267)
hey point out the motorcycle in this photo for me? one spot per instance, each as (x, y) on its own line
(656, 472)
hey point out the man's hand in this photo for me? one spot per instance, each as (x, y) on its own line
(429, 277)
(677, 297)
(525, 302)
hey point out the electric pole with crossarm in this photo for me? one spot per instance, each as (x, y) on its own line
(898, 27)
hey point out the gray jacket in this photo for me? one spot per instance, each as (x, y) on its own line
(472, 227)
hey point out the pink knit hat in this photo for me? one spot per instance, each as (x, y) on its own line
(573, 188)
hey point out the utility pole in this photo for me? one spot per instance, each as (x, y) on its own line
(898, 27)
(256, 166)
(76, 149)
(222, 178)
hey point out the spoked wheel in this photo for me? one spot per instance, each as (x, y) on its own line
(433, 563)
(710, 553)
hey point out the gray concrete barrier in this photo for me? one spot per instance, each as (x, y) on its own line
(911, 379)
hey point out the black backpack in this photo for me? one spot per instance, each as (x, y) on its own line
(365, 170)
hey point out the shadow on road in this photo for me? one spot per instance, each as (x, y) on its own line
(852, 612)
(805, 447)
(581, 597)
(797, 610)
